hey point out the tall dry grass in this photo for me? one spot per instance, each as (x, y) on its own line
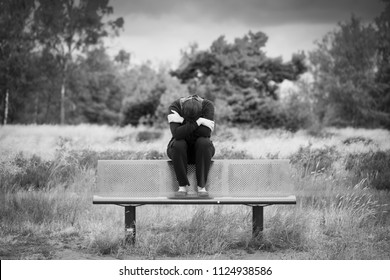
(47, 179)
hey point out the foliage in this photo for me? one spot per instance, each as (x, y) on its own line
(149, 94)
(147, 136)
(15, 46)
(174, 90)
(53, 60)
(310, 161)
(37, 52)
(65, 26)
(344, 67)
(298, 106)
(87, 158)
(358, 139)
(287, 232)
(243, 75)
(374, 167)
(333, 218)
(382, 23)
(22, 172)
(249, 108)
(34, 173)
(96, 91)
(232, 153)
(135, 111)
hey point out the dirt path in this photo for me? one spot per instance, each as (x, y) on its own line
(33, 247)
(68, 254)
(45, 251)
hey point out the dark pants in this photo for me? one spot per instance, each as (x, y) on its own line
(199, 153)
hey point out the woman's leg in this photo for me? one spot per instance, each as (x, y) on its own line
(177, 152)
(204, 151)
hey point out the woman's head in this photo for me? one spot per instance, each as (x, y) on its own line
(192, 109)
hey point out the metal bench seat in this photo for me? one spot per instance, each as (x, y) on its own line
(215, 200)
(132, 183)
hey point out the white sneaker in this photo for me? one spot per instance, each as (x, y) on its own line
(202, 192)
(182, 192)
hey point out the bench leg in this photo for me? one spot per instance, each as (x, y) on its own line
(257, 220)
(130, 224)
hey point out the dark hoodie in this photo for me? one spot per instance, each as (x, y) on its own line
(189, 129)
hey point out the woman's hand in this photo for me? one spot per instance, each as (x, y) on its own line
(175, 117)
(206, 122)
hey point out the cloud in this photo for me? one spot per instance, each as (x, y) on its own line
(261, 12)
(160, 40)
(158, 29)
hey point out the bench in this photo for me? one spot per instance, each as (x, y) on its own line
(132, 183)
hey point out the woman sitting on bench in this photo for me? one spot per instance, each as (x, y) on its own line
(191, 121)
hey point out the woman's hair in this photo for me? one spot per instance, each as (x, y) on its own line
(192, 109)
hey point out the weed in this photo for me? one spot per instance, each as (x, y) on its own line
(107, 242)
(285, 230)
(224, 135)
(358, 139)
(314, 161)
(373, 166)
(232, 153)
(25, 173)
(339, 215)
(148, 136)
(205, 233)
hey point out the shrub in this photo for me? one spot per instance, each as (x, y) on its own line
(123, 138)
(107, 242)
(317, 129)
(249, 109)
(285, 231)
(373, 166)
(21, 172)
(357, 139)
(221, 134)
(314, 161)
(33, 173)
(296, 113)
(152, 154)
(133, 111)
(147, 136)
(27, 173)
(204, 233)
(231, 153)
(88, 158)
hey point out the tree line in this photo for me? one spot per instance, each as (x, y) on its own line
(54, 68)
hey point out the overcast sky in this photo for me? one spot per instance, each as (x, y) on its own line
(157, 30)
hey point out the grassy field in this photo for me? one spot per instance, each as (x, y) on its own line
(47, 179)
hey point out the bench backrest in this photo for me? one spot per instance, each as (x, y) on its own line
(227, 178)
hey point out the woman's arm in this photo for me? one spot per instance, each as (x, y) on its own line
(181, 130)
(207, 113)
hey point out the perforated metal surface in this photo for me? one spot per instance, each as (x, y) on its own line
(156, 178)
(258, 178)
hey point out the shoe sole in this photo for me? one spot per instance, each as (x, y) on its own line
(203, 194)
(180, 194)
